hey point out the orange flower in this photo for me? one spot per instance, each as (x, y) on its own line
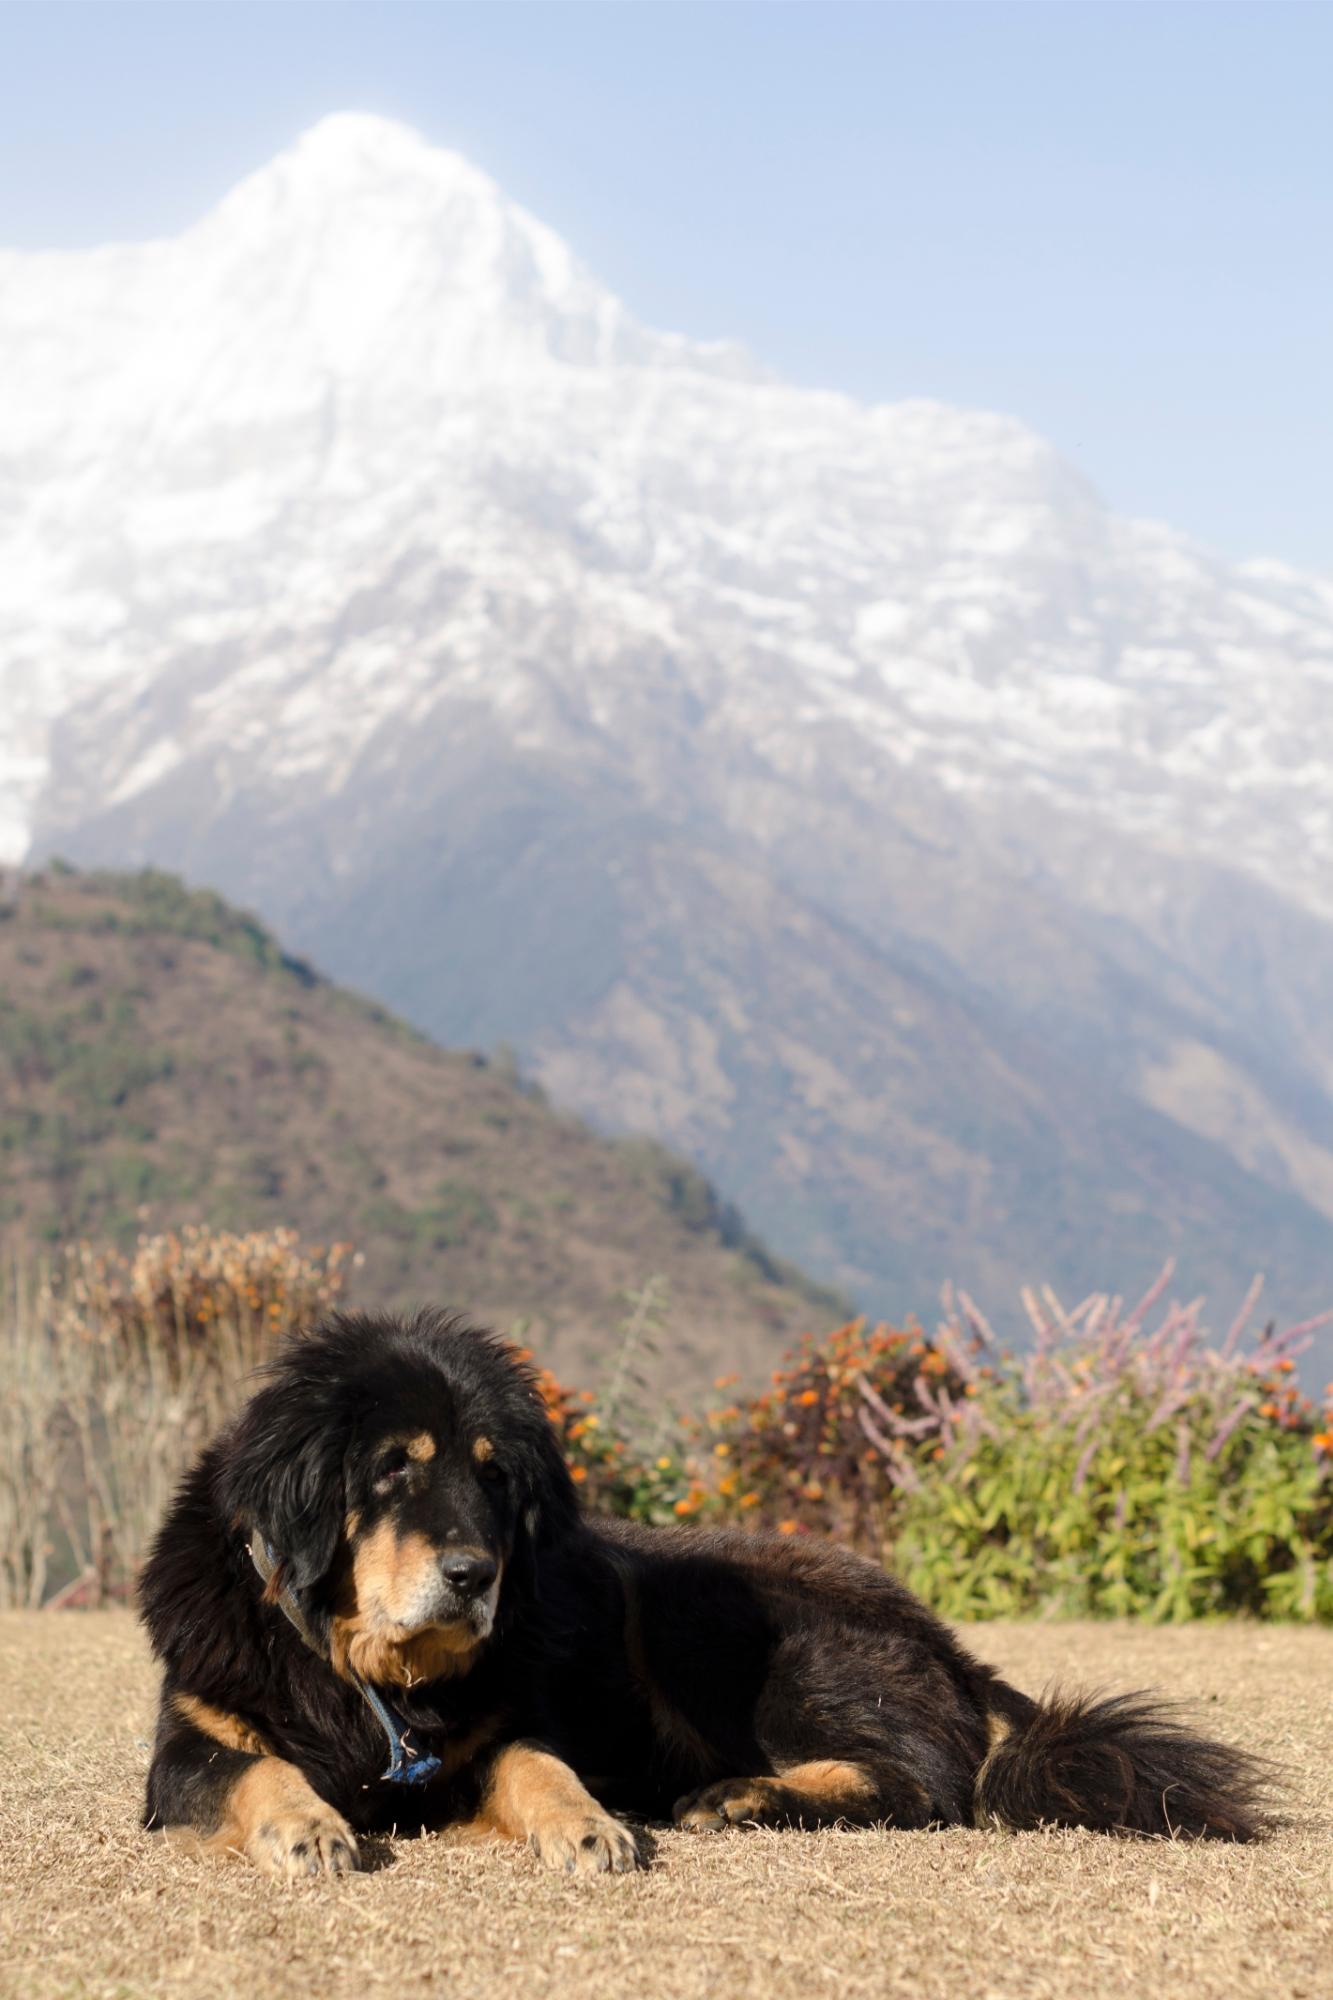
(578, 1473)
(808, 1396)
(788, 1527)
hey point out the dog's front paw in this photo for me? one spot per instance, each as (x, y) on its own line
(587, 1843)
(295, 1843)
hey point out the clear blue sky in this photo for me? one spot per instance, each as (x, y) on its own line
(1114, 221)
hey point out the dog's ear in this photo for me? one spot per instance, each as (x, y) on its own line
(547, 1497)
(284, 1476)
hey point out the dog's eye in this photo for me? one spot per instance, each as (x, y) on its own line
(391, 1467)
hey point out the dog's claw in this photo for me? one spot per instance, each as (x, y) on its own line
(299, 1845)
(733, 1802)
(597, 1845)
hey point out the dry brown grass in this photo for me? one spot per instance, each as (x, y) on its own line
(89, 1905)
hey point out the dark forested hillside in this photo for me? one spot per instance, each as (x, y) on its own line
(162, 1060)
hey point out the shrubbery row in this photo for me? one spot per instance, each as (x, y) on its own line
(1126, 1463)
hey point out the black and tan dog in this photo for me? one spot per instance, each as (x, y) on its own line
(376, 1602)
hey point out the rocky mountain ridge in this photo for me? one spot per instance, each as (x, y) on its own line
(841, 793)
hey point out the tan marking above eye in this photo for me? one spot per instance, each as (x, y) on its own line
(421, 1447)
(482, 1450)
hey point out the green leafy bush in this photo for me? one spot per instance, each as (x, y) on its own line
(1124, 1466)
(1113, 1471)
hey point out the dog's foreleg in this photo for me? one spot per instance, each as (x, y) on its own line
(531, 1795)
(214, 1774)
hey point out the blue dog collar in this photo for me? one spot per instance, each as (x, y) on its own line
(405, 1766)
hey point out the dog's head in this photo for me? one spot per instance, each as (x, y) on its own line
(401, 1477)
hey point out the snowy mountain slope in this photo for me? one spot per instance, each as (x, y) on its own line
(361, 554)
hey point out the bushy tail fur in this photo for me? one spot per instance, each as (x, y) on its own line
(1118, 1764)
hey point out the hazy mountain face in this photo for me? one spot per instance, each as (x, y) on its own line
(840, 793)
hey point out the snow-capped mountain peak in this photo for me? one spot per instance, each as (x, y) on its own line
(367, 362)
(347, 149)
(359, 541)
(386, 252)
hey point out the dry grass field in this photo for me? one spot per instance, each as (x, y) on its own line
(89, 1905)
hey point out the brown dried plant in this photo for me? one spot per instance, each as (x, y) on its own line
(114, 1370)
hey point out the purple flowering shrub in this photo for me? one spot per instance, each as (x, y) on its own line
(1125, 1465)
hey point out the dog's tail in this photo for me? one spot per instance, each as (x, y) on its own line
(1118, 1764)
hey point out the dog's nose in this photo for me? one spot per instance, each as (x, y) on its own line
(468, 1572)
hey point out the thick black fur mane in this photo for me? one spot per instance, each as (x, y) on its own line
(278, 1470)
